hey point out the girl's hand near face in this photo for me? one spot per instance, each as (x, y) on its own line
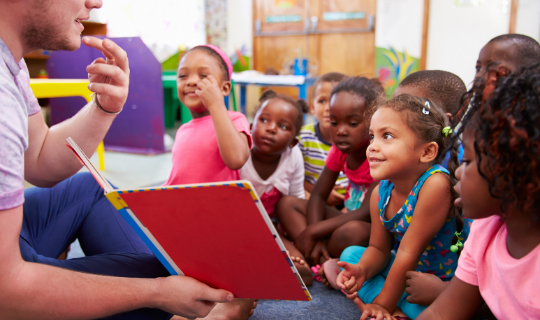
(209, 92)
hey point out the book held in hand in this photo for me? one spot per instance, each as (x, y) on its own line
(218, 233)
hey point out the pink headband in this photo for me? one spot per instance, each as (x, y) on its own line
(223, 56)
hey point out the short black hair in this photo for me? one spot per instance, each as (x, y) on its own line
(300, 105)
(528, 49)
(222, 64)
(369, 89)
(332, 77)
(440, 86)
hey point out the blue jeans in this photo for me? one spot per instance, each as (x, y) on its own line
(77, 208)
(372, 287)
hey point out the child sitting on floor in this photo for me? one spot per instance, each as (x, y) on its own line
(414, 204)
(321, 232)
(275, 167)
(510, 51)
(498, 184)
(215, 144)
(315, 139)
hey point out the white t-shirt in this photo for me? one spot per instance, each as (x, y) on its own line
(288, 179)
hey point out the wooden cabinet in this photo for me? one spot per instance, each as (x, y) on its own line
(335, 35)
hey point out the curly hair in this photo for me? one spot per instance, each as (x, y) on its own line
(301, 106)
(505, 117)
(429, 128)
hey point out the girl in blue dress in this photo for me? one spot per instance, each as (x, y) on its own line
(414, 204)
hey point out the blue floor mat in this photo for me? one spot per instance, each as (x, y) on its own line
(326, 304)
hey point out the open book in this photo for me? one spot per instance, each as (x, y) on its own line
(217, 233)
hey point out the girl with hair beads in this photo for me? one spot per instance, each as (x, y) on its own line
(414, 204)
(499, 187)
(215, 144)
(321, 232)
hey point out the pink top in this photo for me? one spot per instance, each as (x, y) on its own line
(195, 153)
(509, 286)
(337, 161)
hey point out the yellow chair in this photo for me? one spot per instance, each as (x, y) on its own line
(57, 88)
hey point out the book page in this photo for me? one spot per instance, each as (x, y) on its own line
(88, 164)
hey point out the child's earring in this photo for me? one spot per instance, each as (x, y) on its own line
(424, 111)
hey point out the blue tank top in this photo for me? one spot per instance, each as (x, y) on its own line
(437, 259)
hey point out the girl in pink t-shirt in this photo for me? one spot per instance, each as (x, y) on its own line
(215, 144)
(499, 187)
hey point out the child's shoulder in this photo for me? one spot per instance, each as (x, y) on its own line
(310, 127)
(234, 115)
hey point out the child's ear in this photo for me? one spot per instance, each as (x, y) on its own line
(311, 108)
(294, 142)
(449, 116)
(430, 152)
(226, 88)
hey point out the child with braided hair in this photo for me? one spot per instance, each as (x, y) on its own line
(413, 204)
(499, 184)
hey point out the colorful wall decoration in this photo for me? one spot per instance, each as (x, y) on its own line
(398, 40)
(216, 22)
(392, 66)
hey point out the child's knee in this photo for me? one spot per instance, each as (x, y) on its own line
(352, 233)
(352, 254)
(287, 204)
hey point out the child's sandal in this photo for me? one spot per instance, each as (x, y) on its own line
(331, 271)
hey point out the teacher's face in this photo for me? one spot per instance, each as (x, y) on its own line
(56, 24)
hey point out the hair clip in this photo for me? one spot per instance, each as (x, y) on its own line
(424, 111)
(455, 248)
(447, 131)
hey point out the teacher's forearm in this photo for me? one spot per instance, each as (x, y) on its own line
(48, 160)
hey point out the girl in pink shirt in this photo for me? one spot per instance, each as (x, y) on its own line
(215, 144)
(499, 186)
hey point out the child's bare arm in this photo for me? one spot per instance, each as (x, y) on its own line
(423, 288)
(325, 228)
(317, 201)
(459, 300)
(376, 256)
(233, 145)
(430, 215)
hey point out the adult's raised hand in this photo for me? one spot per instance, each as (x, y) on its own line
(109, 77)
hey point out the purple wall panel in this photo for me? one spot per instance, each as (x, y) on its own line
(140, 126)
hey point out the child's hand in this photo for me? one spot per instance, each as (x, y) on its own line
(375, 311)
(319, 250)
(335, 198)
(350, 279)
(423, 288)
(209, 92)
(305, 243)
